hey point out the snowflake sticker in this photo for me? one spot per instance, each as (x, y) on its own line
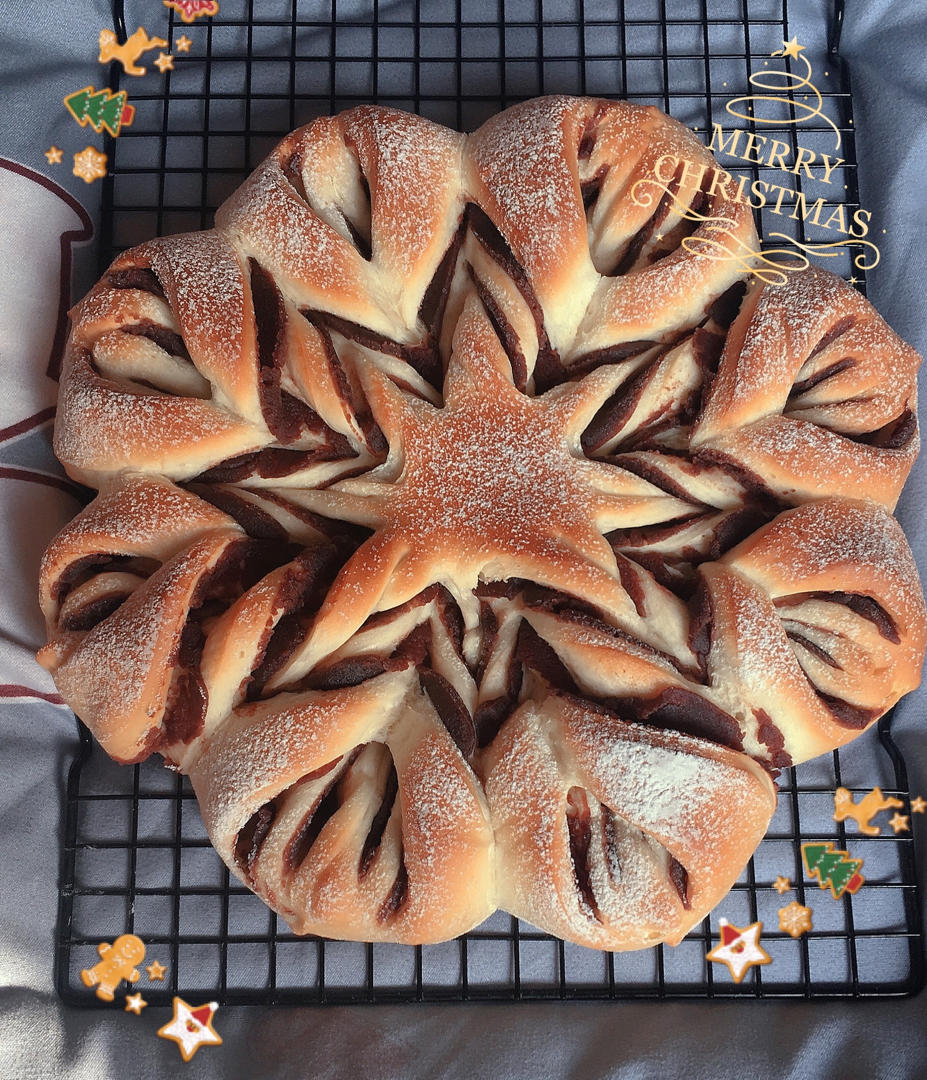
(795, 919)
(89, 165)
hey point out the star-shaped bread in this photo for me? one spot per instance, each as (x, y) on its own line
(156, 971)
(739, 948)
(164, 62)
(135, 1003)
(493, 485)
(782, 884)
(899, 823)
(54, 154)
(183, 43)
(191, 1027)
(918, 805)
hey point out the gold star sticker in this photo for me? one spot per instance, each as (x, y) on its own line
(794, 919)
(156, 971)
(191, 1027)
(899, 823)
(89, 165)
(183, 43)
(135, 1003)
(739, 949)
(789, 48)
(918, 806)
(54, 155)
(165, 62)
(782, 884)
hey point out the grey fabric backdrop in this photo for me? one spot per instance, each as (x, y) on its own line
(45, 49)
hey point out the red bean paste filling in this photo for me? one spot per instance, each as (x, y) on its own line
(168, 340)
(724, 310)
(860, 604)
(397, 895)
(505, 333)
(81, 570)
(256, 522)
(434, 301)
(701, 623)
(354, 400)
(449, 706)
(252, 836)
(301, 593)
(836, 368)
(568, 608)
(274, 462)
(813, 648)
(580, 832)
(674, 572)
(136, 277)
(287, 417)
(650, 228)
(772, 738)
(254, 832)
(239, 567)
(895, 435)
(374, 837)
(681, 710)
(548, 368)
(846, 714)
(679, 876)
(424, 358)
(300, 844)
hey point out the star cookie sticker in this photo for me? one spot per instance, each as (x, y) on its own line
(135, 1003)
(739, 948)
(165, 62)
(795, 919)
(54, 155)
(782, 884)
(191, 1027)
(918, 805)
(156, 971)
(89, 165)
(183, 43)
(899, 823)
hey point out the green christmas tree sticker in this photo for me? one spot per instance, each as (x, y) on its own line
(836, 870)
(100, 109)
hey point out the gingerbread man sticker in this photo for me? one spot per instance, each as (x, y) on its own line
(118, 962)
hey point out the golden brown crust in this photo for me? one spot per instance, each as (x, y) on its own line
(470, 536)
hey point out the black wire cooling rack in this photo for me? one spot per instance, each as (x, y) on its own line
(136, 857)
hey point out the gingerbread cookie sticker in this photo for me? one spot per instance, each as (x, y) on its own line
(130, 51)
(863, 811)
(119, 961)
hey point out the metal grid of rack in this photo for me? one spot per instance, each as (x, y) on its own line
(135, 855)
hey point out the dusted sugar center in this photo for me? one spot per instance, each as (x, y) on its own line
(473, 535)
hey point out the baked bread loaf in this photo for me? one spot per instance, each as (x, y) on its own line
(471, 535)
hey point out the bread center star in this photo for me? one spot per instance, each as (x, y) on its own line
(491, 486)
